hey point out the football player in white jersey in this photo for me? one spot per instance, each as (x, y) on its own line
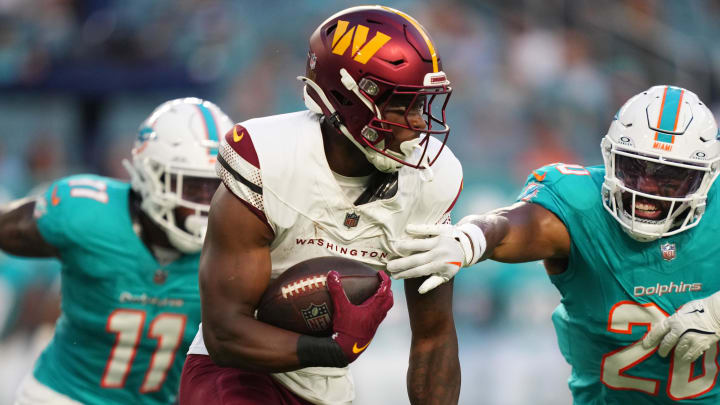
(342, 178)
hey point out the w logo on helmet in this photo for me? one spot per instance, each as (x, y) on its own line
(362, 50)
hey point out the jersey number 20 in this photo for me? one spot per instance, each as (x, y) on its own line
(682, 383)
(127, 325)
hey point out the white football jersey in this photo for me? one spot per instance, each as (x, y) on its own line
(277, 166)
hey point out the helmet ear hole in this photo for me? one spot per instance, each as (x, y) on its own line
(342, 100)
(154, 166)
(383, 98)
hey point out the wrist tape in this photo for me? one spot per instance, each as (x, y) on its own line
(475, 238)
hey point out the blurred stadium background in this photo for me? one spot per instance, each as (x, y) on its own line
(536, 81)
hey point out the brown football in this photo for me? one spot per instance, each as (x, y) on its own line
(298, 300)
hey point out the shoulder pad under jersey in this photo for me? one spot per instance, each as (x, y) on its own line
(78, 209)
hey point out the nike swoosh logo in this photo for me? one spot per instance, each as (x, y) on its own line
(539, 177)
(455, 263)
(54, 199)
(357, 350)
(236, 137)
(702, 311)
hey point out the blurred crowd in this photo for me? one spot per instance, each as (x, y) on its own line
(536, 81)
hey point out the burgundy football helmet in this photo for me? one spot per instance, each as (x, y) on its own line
(367, 60)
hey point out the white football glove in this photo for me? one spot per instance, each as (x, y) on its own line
(439, 251)
(691, 330)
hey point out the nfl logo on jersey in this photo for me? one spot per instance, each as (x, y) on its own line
(351, 220)
(668, 251)
(160, 276)
(317, 317)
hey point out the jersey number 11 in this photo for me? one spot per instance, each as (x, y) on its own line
(127, 325)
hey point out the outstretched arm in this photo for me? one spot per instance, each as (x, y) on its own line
(522, 232)
(434, 368)
(19, 234)
(519, 233)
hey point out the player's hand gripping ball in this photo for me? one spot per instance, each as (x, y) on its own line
(299, 300)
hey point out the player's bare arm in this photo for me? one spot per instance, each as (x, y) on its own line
(522, 232)
(234, 272)
(18, 231)
(434, 368)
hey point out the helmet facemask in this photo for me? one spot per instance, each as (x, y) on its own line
(652, 197)
(178, 201)
(412, 107)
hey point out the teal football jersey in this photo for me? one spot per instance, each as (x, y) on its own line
(615, 288)
(126, 320)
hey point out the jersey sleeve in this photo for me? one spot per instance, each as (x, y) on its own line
(238, 167)
(558, 188)
(69, 211)
(52, 212)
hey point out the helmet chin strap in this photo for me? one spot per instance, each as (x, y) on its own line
(380, 161)
(188, 242)
(196, 224)
(407, 148)
(183, 244)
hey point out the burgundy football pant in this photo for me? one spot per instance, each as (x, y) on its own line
(204, 383)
